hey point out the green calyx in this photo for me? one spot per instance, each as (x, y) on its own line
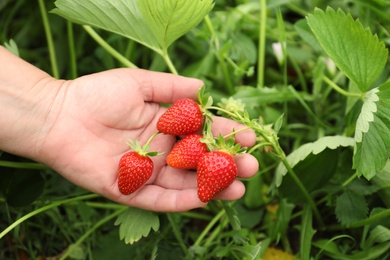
(143, 150)
(205, 102)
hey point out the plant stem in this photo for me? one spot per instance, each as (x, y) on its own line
(90, 231)
(49, 38)
(381, 215)
(272, 139)
(108, 48)
(151, 138)
(340, 90)
(233, 133)
(261, 44)
(72, 51)
(259, 145)
(100, 205)
(177, 233)
(298, 70)
(215, 233)
(208, 227)
(169, 63)
(23, 165)
(195, 215)
(350, 179)
(212, 31)
(303, 190)
(42, 209)
(220, 58)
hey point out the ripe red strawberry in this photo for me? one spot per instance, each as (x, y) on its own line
(216, 171)
(182, 118)
(133, 171)
(186, 153)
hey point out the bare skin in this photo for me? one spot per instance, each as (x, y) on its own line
(80, 128)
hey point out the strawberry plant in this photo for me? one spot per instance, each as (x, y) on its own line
(309, 78)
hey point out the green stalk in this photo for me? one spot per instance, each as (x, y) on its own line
(212, 31)
(100, 205)
(350, 179)
(261, 44)
(195, 215)
(340, 90)
(382, 215)
(303, 190)
(298, 70)
(72, 51)
(169, 63)
(91, 230)
(42, 209)
(225, 72)
(23, 165)
(208, 227)
(215, 233)
(177, 234)
(295, 8)
(283, 43)
(49, 38)
(376, 217)
(108, 47)
(272, 139)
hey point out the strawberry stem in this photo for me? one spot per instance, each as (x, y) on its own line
(151, 138)
(271, 139)
(234, 132)
(143, 150)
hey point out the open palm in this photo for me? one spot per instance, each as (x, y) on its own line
(94, 116)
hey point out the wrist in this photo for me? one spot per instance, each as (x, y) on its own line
(27, 95)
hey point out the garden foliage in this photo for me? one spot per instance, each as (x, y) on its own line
(309, 77)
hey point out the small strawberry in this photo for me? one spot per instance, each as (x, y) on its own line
(186, 153)
(135, 167)
(216, 171)
(133, 171)
(182, 118)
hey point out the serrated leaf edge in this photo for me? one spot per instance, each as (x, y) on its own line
(305, 150)
(364, 119)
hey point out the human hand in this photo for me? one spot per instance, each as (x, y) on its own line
(92, 119)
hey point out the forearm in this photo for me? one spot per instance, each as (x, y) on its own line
(26, 95)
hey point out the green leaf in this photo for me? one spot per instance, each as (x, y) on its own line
(372, 133)
(351, 207)
(331, 142)
(306, 34)
(354, 50)
(283, 217)
(259, 96)
(21, 187)
(136, 223)
(379, 234)
(248, 251)
(153, 23)
(171, 19)
(249, 218)
(12, 47)
(331, 249)
(232, 215)
(307, 232)
(383, 180)
(313, 172)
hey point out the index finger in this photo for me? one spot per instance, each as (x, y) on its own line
(165, 87)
